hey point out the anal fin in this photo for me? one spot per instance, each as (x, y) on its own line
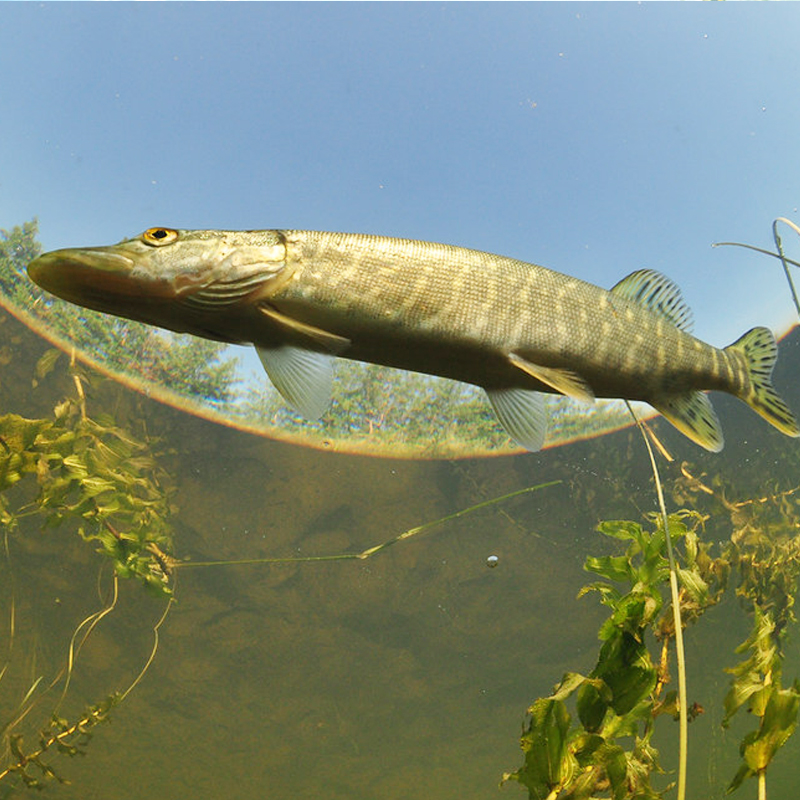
(694, 416)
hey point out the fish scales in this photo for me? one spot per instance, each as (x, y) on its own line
(516, 329)
(413, 291)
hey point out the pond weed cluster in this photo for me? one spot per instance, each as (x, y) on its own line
(592, 737)
(70, 471)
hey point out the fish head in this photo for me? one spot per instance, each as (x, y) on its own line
(182, 280)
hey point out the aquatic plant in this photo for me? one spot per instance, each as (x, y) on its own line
(93, 472)
(764, 550)
(621, 698)
(780, 255)
(67, 738)
(88, 474)
(592, 737)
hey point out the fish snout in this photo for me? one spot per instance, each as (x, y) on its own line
(80, 275)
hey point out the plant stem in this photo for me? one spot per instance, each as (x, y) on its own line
(780, 254)
(784, 259)
(683, 706)
(762, 784)
(370, 551)
(420, 528)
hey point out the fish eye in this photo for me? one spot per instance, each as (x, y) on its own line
(159, 236)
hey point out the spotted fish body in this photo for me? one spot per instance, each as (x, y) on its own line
(513, 328)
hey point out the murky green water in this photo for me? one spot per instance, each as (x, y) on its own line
(404, 675)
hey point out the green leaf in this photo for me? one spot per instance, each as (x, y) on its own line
(47, 362)
(625, 666)
(609, 595)
(777, 725)
(621, 529)
(614, 568)
(694, 584)
(741, 775)
(592, 702)
(691, 547)
(569, 683)
(94, 486)
(613, 760)
(76, 466)
(548, 763)
(584, 746)
(11, 470)
(19, 433)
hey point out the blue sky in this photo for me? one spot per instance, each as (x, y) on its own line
(591, 138)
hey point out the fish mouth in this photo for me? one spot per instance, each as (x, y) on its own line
(88, 276)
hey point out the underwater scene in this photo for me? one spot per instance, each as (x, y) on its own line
(218, 578)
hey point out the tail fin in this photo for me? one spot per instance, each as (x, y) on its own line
(759, 349)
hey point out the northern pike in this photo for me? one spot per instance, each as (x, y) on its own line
(516, 329)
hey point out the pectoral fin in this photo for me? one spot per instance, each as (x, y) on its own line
(303, 377)
(523, 415)
(330, 341)
(693, 415)
(565, 381)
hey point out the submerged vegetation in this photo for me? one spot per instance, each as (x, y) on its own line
(93, 473)
(592, 737)
(70, 471)
(621, 698)
(603, 747)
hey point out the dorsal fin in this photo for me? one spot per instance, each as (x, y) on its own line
(657, 293)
